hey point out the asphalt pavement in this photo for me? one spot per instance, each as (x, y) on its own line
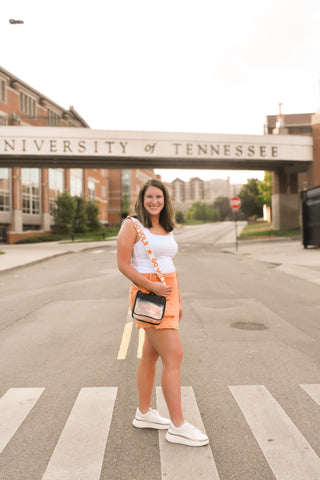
(287, 255)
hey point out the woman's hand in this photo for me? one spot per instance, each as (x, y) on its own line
(161, 289)
(180, 309)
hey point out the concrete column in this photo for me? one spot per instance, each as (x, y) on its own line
(285, 200)
(67, 180)
(85, 184)
(45, 208)
(315, 170)
(16, 220)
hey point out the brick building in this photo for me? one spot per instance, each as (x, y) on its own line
(124, 186)
(27, 196)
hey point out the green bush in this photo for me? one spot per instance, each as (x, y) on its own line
(202, 211)
(80, 218)
(179, 216)
(92, 211)
(73, 215)
(64, 213)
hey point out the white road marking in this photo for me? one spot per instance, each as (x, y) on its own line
(313, 390)
(97, 251)
(80, 449)
(141, 342)
(15, 405)
(179, 462)
(125, 341)
(288, 453)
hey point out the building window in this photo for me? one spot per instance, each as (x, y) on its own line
(91, 190)
(53, 118)
(4, 190)
(56, 186)
(3, 120)
(126, 183)
(27, 105)
(30, 178)
(3, 91)
(103, 191)
(76, 182)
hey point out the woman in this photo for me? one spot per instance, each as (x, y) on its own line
(155, 214)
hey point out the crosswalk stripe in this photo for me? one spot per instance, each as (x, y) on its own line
(80, 449)
(288, 453)
(313, 390)
(15, 405)
(194, 462)
(141, 342)
(125, 341)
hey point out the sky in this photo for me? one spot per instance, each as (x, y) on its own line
(207, 66)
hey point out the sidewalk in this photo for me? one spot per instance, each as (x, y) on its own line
(19, 255)
(288, 256)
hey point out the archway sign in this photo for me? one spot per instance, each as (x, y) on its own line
(87, 148)
(48, 147)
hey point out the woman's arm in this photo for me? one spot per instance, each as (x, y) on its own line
(180, 301)
(126, 239)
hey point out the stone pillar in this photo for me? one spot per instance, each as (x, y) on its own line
(67, 180)
(45, 207)
(285, 200)
(314, 174)
(85, 184)
(16, 221)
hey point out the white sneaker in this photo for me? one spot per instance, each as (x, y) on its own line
(151, 419)
(186, 434)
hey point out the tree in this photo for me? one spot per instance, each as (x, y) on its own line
(125, 206)
(251, 204)
(223, 205)
(265, 189)
(92, 211)
(179, 216)
(202, 211)
(80, 216)
(63, 214)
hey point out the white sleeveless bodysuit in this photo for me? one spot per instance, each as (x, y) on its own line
(164, 248)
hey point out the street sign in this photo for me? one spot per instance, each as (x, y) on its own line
(235, 203)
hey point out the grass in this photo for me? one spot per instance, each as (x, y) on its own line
(78, 237)
(264, 229)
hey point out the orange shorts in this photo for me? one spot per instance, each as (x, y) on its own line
(171, 314)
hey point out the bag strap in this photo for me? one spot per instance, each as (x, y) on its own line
(149, 251)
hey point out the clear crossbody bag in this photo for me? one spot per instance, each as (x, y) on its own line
(148, 307)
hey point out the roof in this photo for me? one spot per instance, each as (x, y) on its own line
(291, 120)
(72, 112)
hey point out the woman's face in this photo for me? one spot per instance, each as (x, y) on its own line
(153, 200)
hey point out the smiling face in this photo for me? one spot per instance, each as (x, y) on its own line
(153, 200)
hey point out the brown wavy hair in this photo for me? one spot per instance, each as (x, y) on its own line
(167, 215)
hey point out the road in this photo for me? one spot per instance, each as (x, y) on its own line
(250, 375)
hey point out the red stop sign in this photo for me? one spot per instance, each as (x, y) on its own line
(235, 203)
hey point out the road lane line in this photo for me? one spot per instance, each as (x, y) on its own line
(125, 341)
(313, 390)
(80, 449)
(15, 405)
(141, 342)
(288, 453)
(180, 462)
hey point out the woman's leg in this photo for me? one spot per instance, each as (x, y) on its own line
(166, 343)
(146, 373)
